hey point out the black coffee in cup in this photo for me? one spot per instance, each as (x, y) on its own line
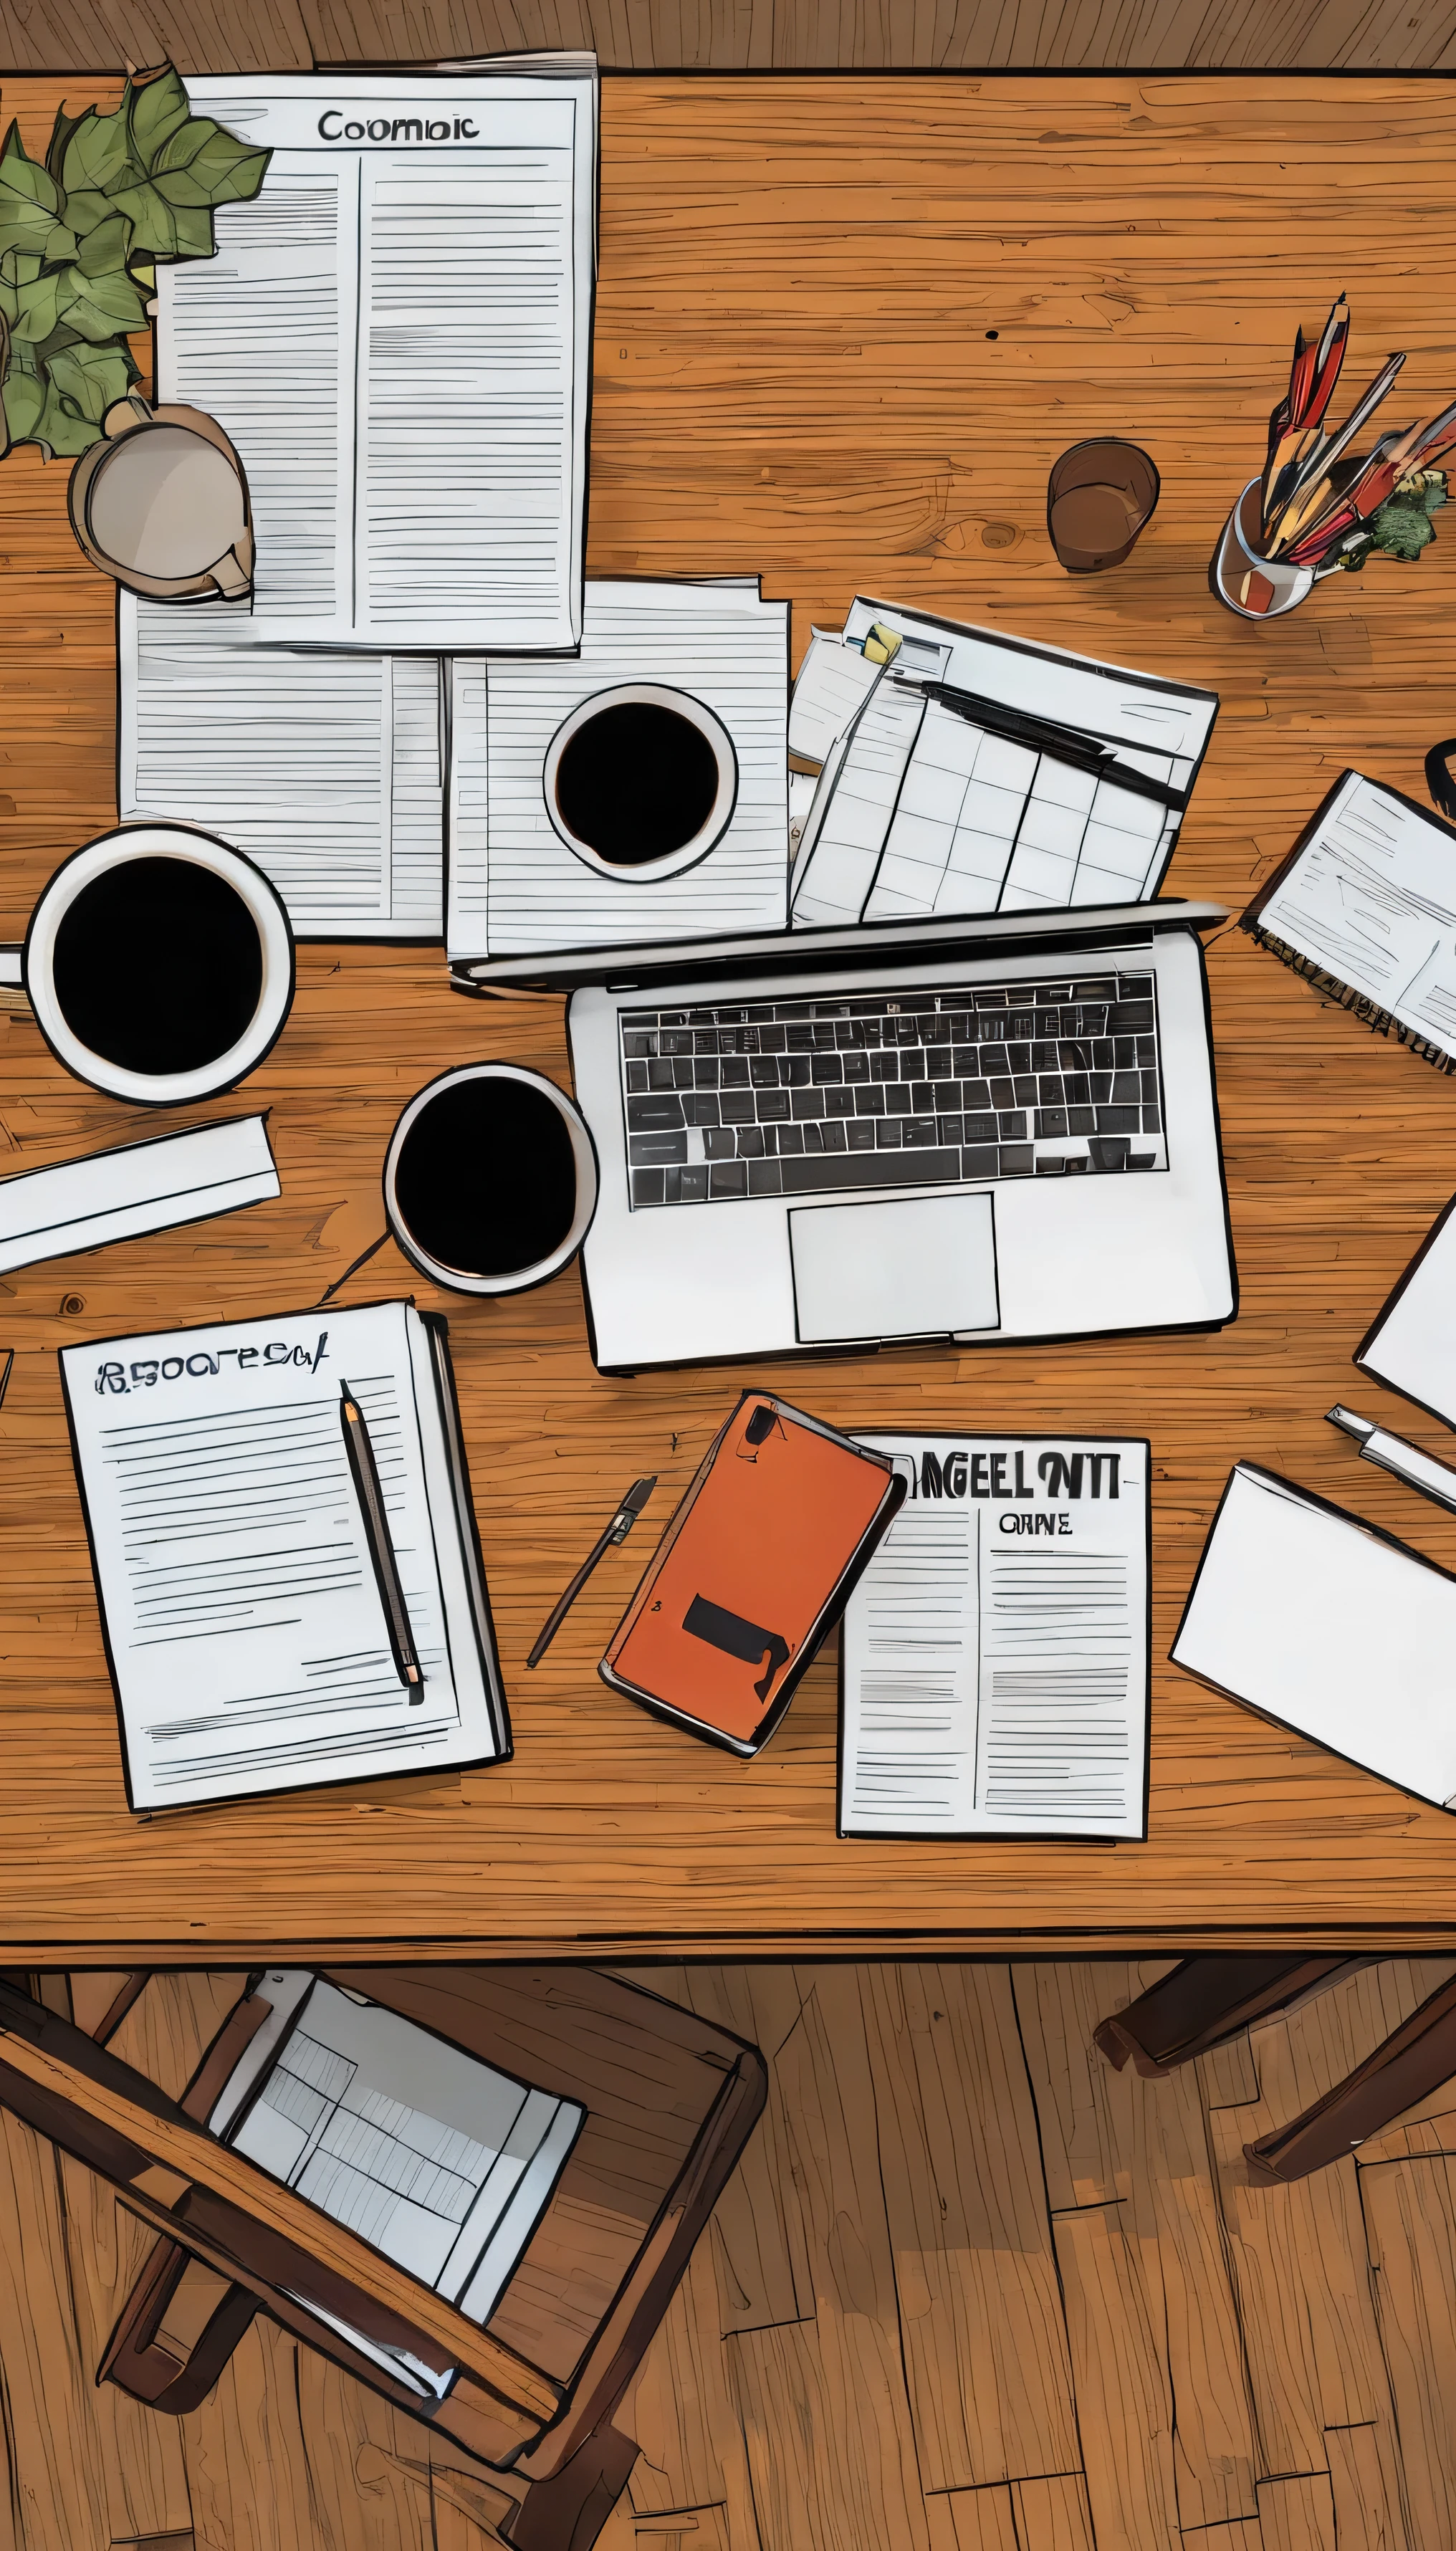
(486, 1180)
(157, 965)
(636, 781)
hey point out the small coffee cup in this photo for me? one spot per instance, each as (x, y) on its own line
(159, 965)
(641, 781)
(161, 504)
(490, 1179)
(1100, 498)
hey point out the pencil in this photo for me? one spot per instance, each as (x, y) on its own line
(370, 1498)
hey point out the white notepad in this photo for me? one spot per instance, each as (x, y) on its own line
(138, 1187)
(247, 1639)
(1412, 1343)
(396, 335)
(436, 2158)
(1366, 903)
(515, 888)
(993, 1659)
(1317, 1620)
(325, 767)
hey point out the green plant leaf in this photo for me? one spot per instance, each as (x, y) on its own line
(60, 132)
(92, 377)
(24, 397)
(36, 308)
(104, 250)
(153, 224)
(25, 178)
(226, 170)
(192, 226)
(62, 429)
(98, 306)
(154, 113)
(96, 158)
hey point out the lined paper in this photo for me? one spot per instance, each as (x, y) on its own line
(323, 767)
(995, 1654)
(396, 335)
(136, 1187)
(514, 885)
(1371, 898)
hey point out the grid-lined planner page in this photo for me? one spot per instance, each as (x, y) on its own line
(247, 1637)
(396, 335)
(994, 1673)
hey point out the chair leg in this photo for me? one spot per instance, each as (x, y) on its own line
(1416, 2058)
(568, 2511)
(1202, 2003)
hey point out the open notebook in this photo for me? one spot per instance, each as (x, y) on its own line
(245, 1635)
(396, 335)
(921, 811)
(1329, 1626)
(437, 2159)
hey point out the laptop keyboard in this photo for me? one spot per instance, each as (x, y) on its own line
(796, 1097)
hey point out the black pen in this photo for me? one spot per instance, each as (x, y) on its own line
(376, 1533)
(617, 1530)
(1042, 735)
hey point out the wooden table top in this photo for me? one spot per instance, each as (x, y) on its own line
(844, 328)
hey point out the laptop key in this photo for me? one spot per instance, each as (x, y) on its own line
(870, 1170)
(692, 1184)
(654, 1114)
(656, 1148)
(728, 1179)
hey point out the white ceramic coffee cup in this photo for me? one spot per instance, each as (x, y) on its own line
(276, 940)
(519, 1280)
(715, 824)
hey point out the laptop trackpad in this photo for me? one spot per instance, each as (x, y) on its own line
(912, 1266)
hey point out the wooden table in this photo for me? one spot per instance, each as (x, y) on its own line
(844, 328)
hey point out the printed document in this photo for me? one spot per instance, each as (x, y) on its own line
(245, 1630)
(994, 1660)
(1370, 897)
(396, 335)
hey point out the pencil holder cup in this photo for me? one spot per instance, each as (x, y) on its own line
(490, 1179)
(158, 965)
(1255, 587)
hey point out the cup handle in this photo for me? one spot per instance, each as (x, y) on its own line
(231, 577)
(133, 410)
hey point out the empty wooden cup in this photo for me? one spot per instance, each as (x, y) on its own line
(1099, 496)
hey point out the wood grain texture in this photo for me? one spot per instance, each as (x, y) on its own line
(744, 35)
(794, 374)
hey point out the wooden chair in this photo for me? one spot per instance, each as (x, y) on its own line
(670, 2101)
(1207, 1999)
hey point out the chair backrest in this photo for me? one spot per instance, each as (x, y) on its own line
(670, 2101)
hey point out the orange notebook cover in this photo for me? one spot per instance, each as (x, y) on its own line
(756, 1565)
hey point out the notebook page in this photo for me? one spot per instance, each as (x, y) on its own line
(1302, 1613)
(993, 1670)
(323, 767)
(1413, 1345)
(246, 1634)
(1372, 899)
(426, 253)
(833, 683)
(508, 865)
(281, 291)
(840, 852)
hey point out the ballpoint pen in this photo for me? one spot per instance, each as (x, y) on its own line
(1044, 735)
(1404, 1462)
(617, 1530)
(370, 1498)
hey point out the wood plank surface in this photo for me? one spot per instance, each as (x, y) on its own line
(742, 35)
(847, 367)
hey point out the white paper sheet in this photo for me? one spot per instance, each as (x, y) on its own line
(247, 1637)
(396, 334)
(514, 885)
(426, 2152)
(1309, 1616)
(138, 1187)
(323, 767)
(1372, 899)
(994, 1656)
(1413, 1345)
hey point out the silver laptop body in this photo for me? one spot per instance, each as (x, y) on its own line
(976, 1130)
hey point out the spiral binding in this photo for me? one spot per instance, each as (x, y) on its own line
(1378, 1021)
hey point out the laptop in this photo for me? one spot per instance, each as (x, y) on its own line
(976, 1130)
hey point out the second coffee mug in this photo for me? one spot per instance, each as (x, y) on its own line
(159, 965)
(161, 504)
(490, 1179)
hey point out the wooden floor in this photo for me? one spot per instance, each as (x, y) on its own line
(969, 2291)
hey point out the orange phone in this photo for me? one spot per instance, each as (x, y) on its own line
(757, 1564)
